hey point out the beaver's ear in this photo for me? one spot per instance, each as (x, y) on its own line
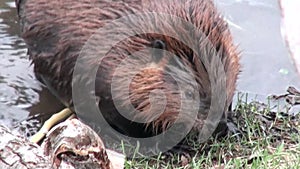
(158, 50)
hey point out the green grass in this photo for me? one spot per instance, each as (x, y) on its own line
(266, 139)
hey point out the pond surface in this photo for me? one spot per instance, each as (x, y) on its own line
(20, 93)
(17, 82)
(266, 65)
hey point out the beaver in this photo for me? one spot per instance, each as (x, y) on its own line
(56, 32)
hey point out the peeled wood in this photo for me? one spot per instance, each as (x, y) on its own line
(70, 144)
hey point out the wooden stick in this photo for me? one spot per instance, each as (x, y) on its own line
(54, 119)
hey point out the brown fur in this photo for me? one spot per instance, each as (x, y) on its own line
(55, 32)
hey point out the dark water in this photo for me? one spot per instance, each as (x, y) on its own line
(255, 25)
(17, 83)
(21, 94)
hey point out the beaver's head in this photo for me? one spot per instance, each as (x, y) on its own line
(155, 90)
(176, 74)
(163, 85)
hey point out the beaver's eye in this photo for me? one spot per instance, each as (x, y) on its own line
(158, 52)
(189, 94)
(158, 44)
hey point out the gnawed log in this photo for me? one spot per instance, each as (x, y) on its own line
(17, 152)
(70, 144)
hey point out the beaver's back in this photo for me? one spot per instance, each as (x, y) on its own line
(55, 32)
